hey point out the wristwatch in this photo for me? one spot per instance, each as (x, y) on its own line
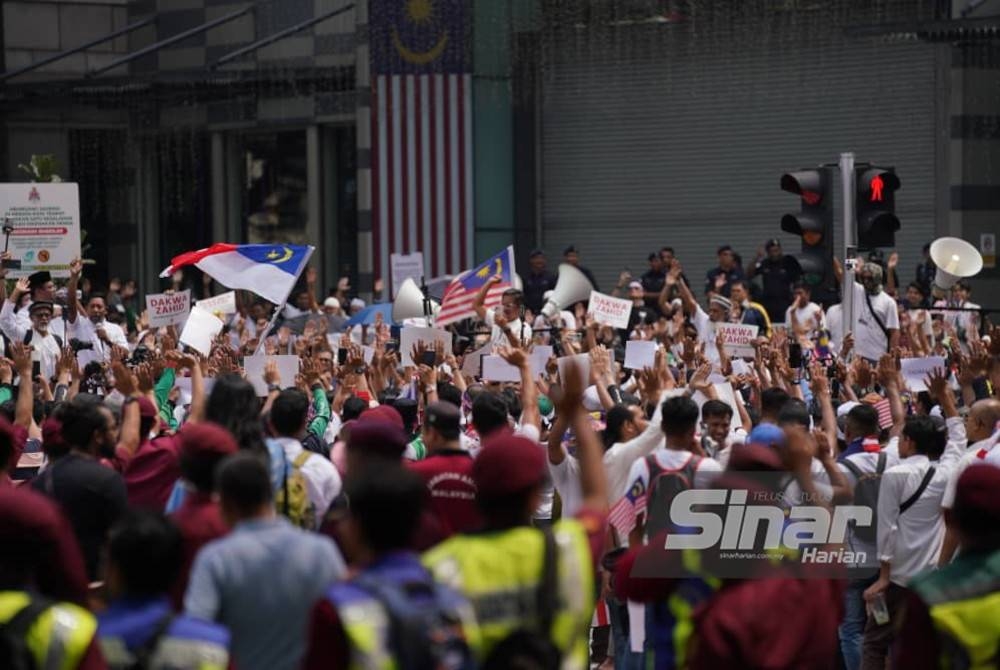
(273, 387)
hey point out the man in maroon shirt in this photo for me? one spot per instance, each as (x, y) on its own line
(447, 471)
(202, 447)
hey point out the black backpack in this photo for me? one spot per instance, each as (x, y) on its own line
(866, 495)
(14, 652)
(533, 648)
(664, 485)
(425, 627)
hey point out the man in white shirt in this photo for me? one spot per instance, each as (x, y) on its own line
(804, 317)
(93, 327)
(39, 285)
(46, 347)
(719, 308)
(287, 419)
(910, 523)
(876, 328)
(506, 322)
(980, 427)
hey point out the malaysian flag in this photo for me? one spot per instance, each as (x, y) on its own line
(460, 296)
(421, 156)
(884, 409)
(633, 504)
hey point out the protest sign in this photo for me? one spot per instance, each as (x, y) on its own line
(580, 360)
(219, 305)
(183, 385)
(288, 367)
(472, 361)
(540, 355)
(496, 369)
(406, 266)
(738, 338)
(640, 354)
(609, 311)
(167, 309)
(916, 369)
(200, 329)
(45, 218)
(410, 335)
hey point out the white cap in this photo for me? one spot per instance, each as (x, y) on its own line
(357, 303)
(331, 302)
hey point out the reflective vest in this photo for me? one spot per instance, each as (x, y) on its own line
(366, 622)
(59, 638)
(963, 600)
(500, 573)
(186, 643)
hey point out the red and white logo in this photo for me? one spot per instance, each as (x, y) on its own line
(33, 195)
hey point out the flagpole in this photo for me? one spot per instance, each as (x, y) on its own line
(262, 337)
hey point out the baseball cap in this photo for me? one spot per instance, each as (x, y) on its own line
(766, 435)
(508, 465)
(443, 416)
(377, 437)
(385, 414)
(206, 439)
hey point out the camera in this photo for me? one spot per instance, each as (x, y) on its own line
(77, 345)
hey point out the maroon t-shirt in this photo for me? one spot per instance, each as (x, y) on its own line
(452, 493)
(151, 473)
(200, 521)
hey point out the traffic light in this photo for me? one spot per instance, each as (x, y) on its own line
(874, 205)
(814, 224)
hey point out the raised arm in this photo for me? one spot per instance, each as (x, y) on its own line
(25, 392)
(529, 393)
(593, 482)
(480, 302)
(72, 304)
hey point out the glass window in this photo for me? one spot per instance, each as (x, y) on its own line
(274, 187)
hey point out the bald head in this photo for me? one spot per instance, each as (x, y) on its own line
(983, 418)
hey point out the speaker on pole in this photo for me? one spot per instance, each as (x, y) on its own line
(955, 258)
(571, 287)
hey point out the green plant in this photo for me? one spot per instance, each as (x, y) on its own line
(41, 168)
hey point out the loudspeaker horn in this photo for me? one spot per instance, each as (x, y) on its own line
(409, 302)
(572, 287)
(955, 258)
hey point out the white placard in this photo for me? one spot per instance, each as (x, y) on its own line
(410, 335)
(581, 360)
(200, 329)
(288, 367)
(406, 266)
(496, 369)
(738, 338)
(608, 310)
(46, 222)
(540, 356)
(916, 369)
(640, 354)
(741, 367)
(220, 304)
(168, 309)
(471, 361)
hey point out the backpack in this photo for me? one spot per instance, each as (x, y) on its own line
(525, 647)
(14, 652)
(425, 625)
(664, 485)
(293, 498)
(30, 335)
(866, 495)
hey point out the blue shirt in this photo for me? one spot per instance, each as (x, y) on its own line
(261, 582)
(277, 462)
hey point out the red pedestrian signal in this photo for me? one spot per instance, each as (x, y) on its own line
(876, 186)
(875, 206)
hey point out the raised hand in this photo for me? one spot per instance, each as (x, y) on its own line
(937, 384)
(125, 382)
(514, 356)
(21, 355)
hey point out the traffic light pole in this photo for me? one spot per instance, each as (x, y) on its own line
(847, 179)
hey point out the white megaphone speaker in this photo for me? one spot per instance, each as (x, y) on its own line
(572, 287)
(409, 302)
(955, 258)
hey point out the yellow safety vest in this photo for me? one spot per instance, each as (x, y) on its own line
(500, 574)
(963, 600)
(58, 639)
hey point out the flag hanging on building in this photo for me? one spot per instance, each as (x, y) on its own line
(460, 296)
(421, 154)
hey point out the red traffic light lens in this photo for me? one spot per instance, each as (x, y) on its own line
(811, 237)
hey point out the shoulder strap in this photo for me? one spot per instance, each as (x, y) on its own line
(855, 470)
(301, 459)
(878, 320)
(28, 334)
(880, 467)
(144, 654)
(22, 621)
(908, 503)
(58, 340)
(548, 590)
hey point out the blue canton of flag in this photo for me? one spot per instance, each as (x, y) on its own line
(287, 257)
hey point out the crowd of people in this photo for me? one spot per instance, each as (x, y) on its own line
(160, 508)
